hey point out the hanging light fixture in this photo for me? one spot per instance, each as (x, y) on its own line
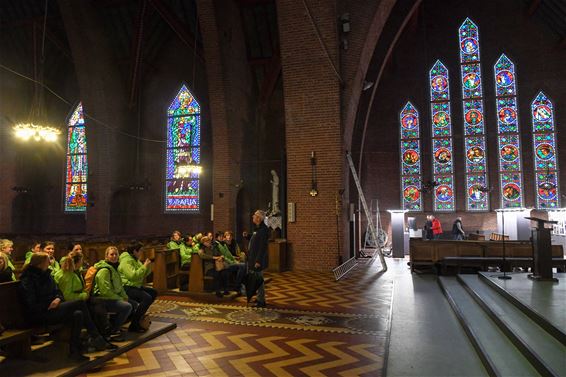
(35, 128)
(186, 167)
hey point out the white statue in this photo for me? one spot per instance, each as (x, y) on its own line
(274, 194)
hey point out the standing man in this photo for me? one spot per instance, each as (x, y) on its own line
(457, 230)
(436, 228)
(257, 252)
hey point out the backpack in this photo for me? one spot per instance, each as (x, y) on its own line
(89, 278)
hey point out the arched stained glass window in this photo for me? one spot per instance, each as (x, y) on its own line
(77, 165)
(182, 187)
(442, 161)
(474, 129)
(545, 153)
(509, 140)
(410, 159)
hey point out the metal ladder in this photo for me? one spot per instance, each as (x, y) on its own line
(371, 225)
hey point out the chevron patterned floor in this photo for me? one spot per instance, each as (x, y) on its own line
(313, 326)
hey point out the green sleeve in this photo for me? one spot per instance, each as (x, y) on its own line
(173, 245)
(104, 289)
(11, 265)
(185, 254)
(71, 286)
(227, 254)
(133, 272)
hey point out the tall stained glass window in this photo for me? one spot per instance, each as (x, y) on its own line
(477, 198)
(410, 159)
(183, 152)
(77, 165)
(545, 153)
(442, 161)
(509, 140)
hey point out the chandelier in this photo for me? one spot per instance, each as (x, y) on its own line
(27, 131)
(33, 129)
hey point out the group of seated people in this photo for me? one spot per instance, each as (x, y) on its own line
(221, 255)
(100, 298)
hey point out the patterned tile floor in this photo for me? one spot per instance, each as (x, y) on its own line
(313, 326)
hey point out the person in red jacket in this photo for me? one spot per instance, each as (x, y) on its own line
(436, 228)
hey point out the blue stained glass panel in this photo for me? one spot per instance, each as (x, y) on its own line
(439, 82)
(548, 194)
(478, 198)
(469, 42)
(441, 119)
(511, 190)
(473, 117)
(76, 163)
(411, 193)
(76, 140)
(507, 115)
(475, 154)
(542, 112)
(183, 148)
(183, 104)
(444, 193)
(545, 151)
(409, 119)
(442, 156)
(471, 81)
(509, 152)
(183, 195)
(77, 118)
(505, 83)
(410, 157)
(181, 131)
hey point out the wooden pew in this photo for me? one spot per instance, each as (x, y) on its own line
(165, 269)
(16, 339)
(198, 282)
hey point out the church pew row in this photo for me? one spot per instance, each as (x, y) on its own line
(474, 253)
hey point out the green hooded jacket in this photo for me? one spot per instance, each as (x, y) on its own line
(107, 282)
(225, 252)
(28, 256)
(11, 265)
(132, 271)
(71, 284)
(55, 267)
(185, 251)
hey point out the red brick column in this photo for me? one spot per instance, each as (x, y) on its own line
(223, 166)
(312, 116)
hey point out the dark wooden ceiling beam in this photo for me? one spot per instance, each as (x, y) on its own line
(177, 25)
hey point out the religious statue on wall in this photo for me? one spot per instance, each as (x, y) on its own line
(275, 210)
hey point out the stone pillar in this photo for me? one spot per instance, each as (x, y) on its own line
(312, 120)
(103, 97)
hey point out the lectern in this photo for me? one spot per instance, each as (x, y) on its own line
(542, 251)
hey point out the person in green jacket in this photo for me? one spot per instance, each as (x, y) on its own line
(176, 240)
(35, 247)
(69, 278)
(72, 247)
(49, 248)
(133, 273)
(6, 247)
(108, 287)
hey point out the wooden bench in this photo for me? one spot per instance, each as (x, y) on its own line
(16, 339)
(498, 237)
(432, 253)
(504, 264)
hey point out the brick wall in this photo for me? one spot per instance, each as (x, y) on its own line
(312, 117)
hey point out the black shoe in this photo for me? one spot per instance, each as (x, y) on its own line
(111, 347)
(117, 336)
(98, 343)
(79, 357)
(225, 293)
(219, 294)
(239, 293)
(260, 304)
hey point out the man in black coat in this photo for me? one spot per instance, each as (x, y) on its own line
(257, 252)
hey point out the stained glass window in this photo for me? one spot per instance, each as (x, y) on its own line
(509, 141)
(545, 153)
(77, 165)
(410, 159)
(442, 161)
(477, 198)
(182, 185)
